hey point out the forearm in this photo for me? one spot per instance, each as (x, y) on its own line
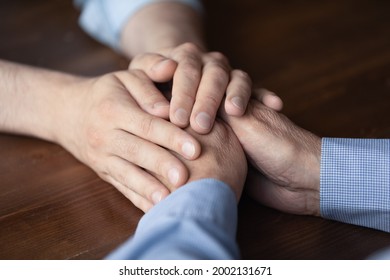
(31, 99)
(204, 209)
(161, 25)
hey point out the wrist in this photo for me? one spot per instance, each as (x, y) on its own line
(311, 161)
(68, 110)
(160, 26)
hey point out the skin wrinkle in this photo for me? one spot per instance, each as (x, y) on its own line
(304, 142)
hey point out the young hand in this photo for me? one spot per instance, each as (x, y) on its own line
(114, 125)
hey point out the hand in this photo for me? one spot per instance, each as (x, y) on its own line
(200, 81)
(107, 123)
(287, 156)
(222, 158)
(268, 98)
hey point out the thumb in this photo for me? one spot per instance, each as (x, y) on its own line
(159, 68)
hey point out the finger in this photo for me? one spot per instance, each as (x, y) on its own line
(268, 98)
(138, 201)
(164, 181)
(238, 93)
(129, 117)
(136, 179)
(145, 93)
(148, 156)
(160, 132)
(158, 67)
(212, 88)
(185, 84)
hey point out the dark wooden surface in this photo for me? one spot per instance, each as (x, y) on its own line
(328, 60)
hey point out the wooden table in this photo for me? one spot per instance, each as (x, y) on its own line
(328, 60)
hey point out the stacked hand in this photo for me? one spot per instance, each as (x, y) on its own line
(118, 123)
(285, 159)
(148, 145)
(222, 158)
(119, 129)
(200, 82)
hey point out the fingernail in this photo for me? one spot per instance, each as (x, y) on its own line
(181, 116)
(238, 102)
(188, 149)
(173, 176)
(156, 197)
(203, 120)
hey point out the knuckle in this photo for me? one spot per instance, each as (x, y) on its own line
(185, 98)
(122, 178)
(241, 89)
(187, 51)
(129, 148)
(218, 56)
(190, 47)
(147, 126)
(220, 76)
(107, 107)
(94, 137)
(218, 71)
(190, 71)
(213, 100)
(241, 83)
(161, 165)
(242, 75)
(175, 140)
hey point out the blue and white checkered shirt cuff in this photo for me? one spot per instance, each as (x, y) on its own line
(105, 19)
(355, 181)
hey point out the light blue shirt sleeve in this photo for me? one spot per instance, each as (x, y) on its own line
(198, 221)
(105, 19)
(355, 181)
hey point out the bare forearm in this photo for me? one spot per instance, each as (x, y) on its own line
(30, 99)
(161, 25)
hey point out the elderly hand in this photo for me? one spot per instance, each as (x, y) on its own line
(286, 159)
(222, 158)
